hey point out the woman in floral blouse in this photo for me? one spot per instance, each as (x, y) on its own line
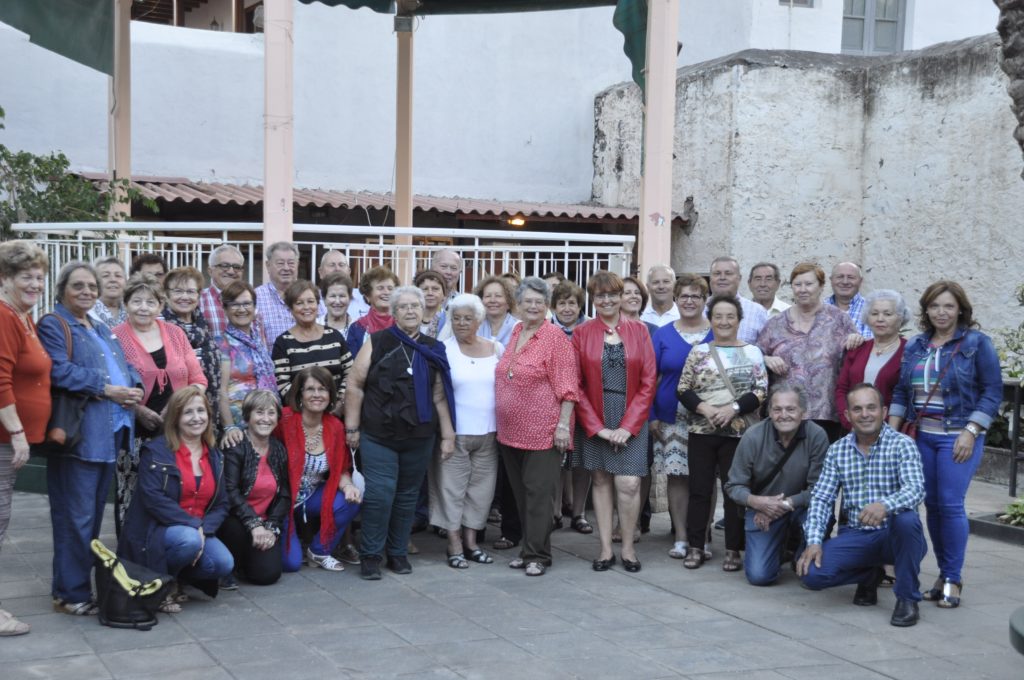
(805, 344)
(722, 384)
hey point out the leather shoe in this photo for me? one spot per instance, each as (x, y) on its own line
(867, 592)
(632, 566)
(604, 565)
(399, 564)
(905, 614)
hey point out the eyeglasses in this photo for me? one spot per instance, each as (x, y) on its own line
(607, 296)
(240, 305)
(687, 297)
(409, 306)
(180, 292)
(81, 285)
(224, 266)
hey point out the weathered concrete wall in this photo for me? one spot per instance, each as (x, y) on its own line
(906, 164)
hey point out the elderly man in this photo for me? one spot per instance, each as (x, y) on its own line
(282, 261)
(776, 464)
(879, 472)
(846, 279)
(764, 282)
(725, 280)
(225, 265)
(335, 262)
(661, 310)
(449, 264)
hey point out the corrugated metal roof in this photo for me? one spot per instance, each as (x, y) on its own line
(172, 189)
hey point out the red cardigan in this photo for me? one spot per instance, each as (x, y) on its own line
(641, 374)
(852, 373)
(290, 431)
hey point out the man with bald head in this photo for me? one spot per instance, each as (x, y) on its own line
(846, 279)
(661, 310)
(448, 263)
(334, 262)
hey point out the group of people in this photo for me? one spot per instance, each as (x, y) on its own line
(247, 430)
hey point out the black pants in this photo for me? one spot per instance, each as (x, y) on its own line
(708, 453)
(511, 527)
(833, 430)
(259, 567)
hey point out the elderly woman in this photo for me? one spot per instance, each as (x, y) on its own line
(722, 385)
(245, 360)
(182, 287)
(319, 467)
(617, 380)
(109, 308)
(949, 387)
(172, 522)
(462, 484)
(567, 305)
(307, 343)
(78, 480)
(256, 481)
(877, 361)
(164, 359)
(377, 286)
(336, 290)
(435, 293)
(400, 396)
(669, 418)
(536, 390)
(804, 345)
(499, 304)
(24, 377)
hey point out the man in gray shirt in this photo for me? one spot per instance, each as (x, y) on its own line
(777, 463)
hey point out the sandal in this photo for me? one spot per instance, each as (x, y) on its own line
(678, 550)
(732, 561)
(950, 594)
(935, 593)
(517, 563)
(458, 561)
(169, 606)
(504, 544)
(580, 524)
(75, 608)
(479, 556)
(535, 569)
(694, 558)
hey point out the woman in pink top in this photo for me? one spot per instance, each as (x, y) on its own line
(164, 358)
(536, 388)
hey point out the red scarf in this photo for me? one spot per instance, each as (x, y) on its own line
(376, 321)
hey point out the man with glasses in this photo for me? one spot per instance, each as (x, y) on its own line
(226, 265)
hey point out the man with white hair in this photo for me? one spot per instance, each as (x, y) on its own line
(282, 260)
(225, 265)
(725, 280)
(661, 310)
(334, 262)
(846, 279)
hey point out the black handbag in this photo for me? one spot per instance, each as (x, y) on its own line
(127, 594)
(64, 430)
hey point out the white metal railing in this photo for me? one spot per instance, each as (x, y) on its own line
(484, 252)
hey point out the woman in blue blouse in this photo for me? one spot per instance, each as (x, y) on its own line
(672, 344)
(950, 386)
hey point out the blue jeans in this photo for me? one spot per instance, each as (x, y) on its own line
(764, 548)
(309, 514)
(181, 543)
(945, 487)
(78, 493)
(394, 472)
(852, 555)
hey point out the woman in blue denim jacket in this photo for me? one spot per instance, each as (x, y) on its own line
(950, 386)
(78, 479)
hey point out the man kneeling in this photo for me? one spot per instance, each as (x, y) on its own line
(879, 471)
(776, 464)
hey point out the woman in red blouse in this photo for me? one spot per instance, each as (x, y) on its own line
(536, 389)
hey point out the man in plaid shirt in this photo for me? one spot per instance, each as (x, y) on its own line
(226, 265)
(846, 280)
(879, 472)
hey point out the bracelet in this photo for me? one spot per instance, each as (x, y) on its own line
(231, 427)
(351, 430)
(14, 432)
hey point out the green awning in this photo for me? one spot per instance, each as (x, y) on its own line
(81, 30)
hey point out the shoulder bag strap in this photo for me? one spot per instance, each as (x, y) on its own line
(770, 477)
(65, 328)
(942, 374)
(722, 371)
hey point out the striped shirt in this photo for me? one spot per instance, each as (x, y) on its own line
(922, 379)
(330, 351)
(854, 312)
(890, 474)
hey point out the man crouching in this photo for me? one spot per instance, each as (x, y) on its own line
(879, 471)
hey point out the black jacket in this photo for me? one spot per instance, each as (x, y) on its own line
(241, 464)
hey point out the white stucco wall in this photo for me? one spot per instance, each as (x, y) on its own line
(935, 21)
(906, 164)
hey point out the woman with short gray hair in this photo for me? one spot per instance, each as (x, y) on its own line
(462, 484)
(877, 361)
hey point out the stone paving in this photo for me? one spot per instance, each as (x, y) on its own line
(491, 622)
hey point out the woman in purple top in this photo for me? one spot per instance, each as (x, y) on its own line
(805, 344)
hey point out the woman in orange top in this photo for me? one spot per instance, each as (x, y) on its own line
(25, 372)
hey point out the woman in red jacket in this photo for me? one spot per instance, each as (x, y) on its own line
(617, 381)
(877, 361)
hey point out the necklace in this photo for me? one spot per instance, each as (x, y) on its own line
(886, 348)
(22, 316)
(408, 360)
(314, 440)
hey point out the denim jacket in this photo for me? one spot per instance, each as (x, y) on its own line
(86, 372)
(972, 387)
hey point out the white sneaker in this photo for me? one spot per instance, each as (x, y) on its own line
(325, 562)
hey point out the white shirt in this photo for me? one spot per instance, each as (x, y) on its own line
(473, 383)
(651, 316)
(778, 307)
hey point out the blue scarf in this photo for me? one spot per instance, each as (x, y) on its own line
(437, 357)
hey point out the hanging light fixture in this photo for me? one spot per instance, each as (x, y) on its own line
(214, 26)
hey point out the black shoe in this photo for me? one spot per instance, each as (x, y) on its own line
(369, 568)
(399, 564)
(228, 582)
(632, 566)
(867, 592)
(905, 614)
(720, 524)
(604, 565)
(419, 525)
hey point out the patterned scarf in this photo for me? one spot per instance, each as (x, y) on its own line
(198, 333)
(263, 365)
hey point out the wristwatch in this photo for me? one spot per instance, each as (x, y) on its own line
(736, 406)
(973, 429)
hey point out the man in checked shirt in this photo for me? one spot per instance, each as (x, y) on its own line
(879, 471)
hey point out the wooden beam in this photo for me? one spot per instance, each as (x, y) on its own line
(119, 159)
(278, 124)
